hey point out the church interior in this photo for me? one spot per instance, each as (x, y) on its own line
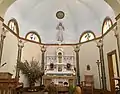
(59, 46)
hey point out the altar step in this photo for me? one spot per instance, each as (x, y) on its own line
(95, 92)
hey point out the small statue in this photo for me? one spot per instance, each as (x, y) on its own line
(60, 29)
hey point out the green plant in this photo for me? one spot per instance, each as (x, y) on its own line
(31, 70)
(71, 89)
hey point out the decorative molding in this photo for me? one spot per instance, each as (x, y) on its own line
(6, 27)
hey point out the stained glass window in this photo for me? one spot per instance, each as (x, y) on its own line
(33, 36)
(12, 24)
(86, 36)
(106, 25)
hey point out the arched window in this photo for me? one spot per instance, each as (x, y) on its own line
(13, 25)
(60, 57)
(33, 36)
(86, 36)
(107, 23)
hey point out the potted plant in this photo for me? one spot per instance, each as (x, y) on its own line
(31, 70)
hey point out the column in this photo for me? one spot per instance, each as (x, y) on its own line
(117, 35)
(43, 49)
(20, 46)
(118, 41)
(98, 65)
(100, 46)
(76, 49)
(3, 35)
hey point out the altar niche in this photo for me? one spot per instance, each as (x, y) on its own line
(59, 69)
(60, 59)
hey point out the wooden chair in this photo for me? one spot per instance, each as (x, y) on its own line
(88, 84)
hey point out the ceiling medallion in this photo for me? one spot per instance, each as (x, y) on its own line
(60, 14)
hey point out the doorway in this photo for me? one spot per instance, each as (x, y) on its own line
(113, 69)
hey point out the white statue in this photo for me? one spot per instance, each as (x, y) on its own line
(60, 29)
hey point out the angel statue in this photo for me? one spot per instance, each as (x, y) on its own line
(60, 29)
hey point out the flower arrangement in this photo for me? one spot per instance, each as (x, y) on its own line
(31, 70)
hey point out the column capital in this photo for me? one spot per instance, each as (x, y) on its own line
(116, 32)
(99, 43)
(98, 62)
(77, 48)
(20, 44)
(3, 33)
(43, 48)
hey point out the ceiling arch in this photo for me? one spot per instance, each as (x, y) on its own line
(4, 4)
(40, 15)
(115, 4)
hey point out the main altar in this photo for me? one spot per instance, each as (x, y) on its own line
(59, 69)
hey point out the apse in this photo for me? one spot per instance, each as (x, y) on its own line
(43, 16)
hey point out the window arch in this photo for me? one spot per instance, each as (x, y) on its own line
(33, 36)
(13, 25)
(59, 57)
(107, 23)
(86, 36)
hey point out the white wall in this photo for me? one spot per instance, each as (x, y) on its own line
(89, 54)
(29, 51)
(9, 53)
(110, 44)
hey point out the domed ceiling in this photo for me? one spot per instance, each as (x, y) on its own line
(76, 16)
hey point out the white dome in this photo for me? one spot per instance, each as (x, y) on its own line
(40, 16)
